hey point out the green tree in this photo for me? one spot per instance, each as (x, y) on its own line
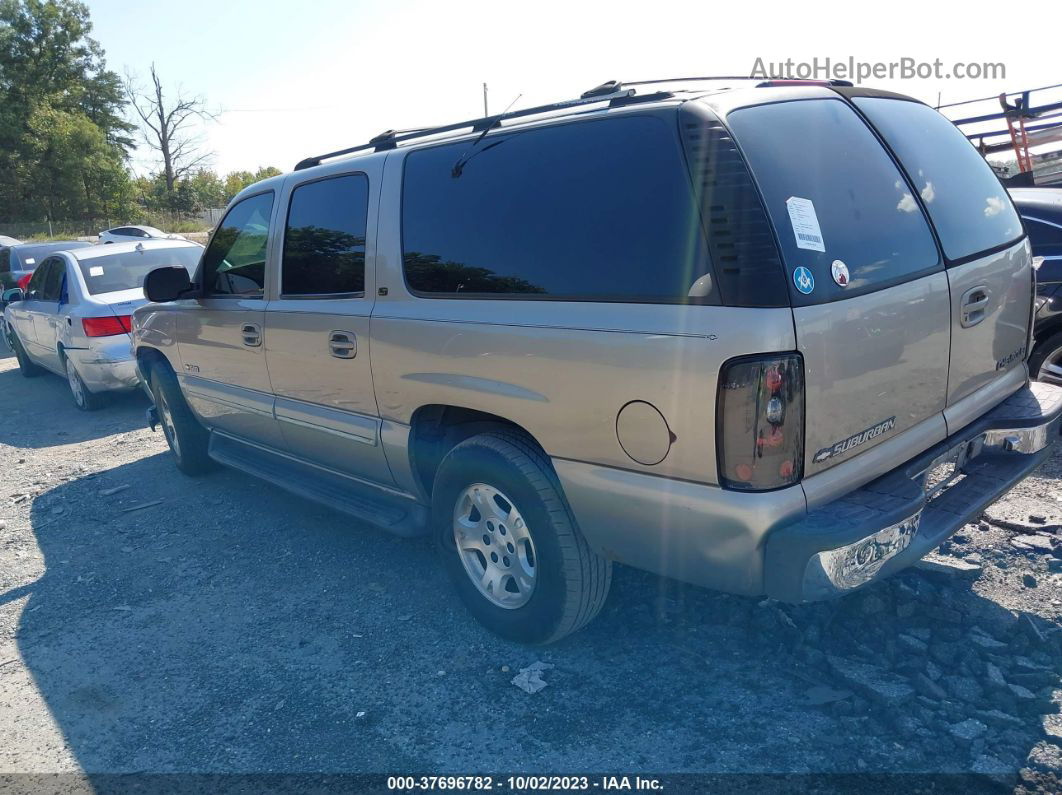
(63, 141)
(235, 181)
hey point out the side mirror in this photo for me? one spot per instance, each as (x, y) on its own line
(12, 295)
(167, 284)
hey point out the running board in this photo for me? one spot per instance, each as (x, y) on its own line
(391, 512)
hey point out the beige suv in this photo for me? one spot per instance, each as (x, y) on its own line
(770, 340)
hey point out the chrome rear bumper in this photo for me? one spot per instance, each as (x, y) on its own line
(896, 519)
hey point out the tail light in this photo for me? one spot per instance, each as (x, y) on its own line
(760, 422)
(24, 281)
(106, 326)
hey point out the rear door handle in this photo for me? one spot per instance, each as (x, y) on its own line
(252, 334)
(342, 344)
(972, 306)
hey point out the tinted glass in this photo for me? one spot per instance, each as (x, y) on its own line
(53, 284)
(126, 271)
(969, 207)
(324, 242)
(834, 194)
(5, 260)
(36, 282)
(1040, 234)
(234, 263)
(599, 210)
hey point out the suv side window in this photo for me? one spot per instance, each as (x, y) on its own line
(597, 210)
(234, 263)
(324, 240)
(5, 260)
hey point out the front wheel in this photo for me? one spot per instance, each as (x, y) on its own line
(1045, 364)
(187, 438)
(25, 364)
(509, 541)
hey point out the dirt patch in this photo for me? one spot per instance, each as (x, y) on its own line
(224, 626)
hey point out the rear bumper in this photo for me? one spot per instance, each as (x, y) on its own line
(896, 519)
(106, 369)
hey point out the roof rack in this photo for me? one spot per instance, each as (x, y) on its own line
(612, 92)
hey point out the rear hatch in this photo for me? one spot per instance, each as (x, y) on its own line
(989, 266)
(870, 296)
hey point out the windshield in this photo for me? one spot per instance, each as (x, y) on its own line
(126, 271)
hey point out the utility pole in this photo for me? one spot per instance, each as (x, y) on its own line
(485, 111)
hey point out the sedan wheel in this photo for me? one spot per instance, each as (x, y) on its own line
(83, 398)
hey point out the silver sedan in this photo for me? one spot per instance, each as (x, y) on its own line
(74, 316)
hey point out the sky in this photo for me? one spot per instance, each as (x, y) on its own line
(297, 79)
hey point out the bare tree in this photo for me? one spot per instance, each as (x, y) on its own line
(168, 125)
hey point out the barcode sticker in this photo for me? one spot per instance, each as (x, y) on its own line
(805, 223)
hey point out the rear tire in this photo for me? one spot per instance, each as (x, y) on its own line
(1045, 364)
(84, 398)
(544, 581)
(25, 365)
(187, 438)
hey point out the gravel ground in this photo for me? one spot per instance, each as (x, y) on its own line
(151, 622)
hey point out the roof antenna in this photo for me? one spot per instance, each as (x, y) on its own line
(459, 166)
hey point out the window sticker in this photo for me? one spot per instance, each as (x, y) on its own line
(30, 260)
(96, 270)
(805, 223)
(804, 280)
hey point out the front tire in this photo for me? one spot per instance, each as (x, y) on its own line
(84, 399)
(187, 438)
(25, 364)
(509, 542)
(1045, 364)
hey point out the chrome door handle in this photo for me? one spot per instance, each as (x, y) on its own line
(972, 306)
(252, 334)
(342, 344)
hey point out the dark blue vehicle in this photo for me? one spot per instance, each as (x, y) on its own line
(1041, 211)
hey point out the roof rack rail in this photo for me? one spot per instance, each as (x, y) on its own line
(612, 92)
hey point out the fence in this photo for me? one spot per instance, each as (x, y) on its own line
(70, 229)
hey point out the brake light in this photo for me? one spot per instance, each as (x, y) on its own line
(106, 326)
(760, 422)
(24, 281)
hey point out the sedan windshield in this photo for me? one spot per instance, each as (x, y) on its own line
(126, 271)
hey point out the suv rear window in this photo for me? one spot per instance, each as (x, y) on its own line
(826, 178)
(969, 207)
(596, 210)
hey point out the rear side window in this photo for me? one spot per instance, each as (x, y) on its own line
(324, 241)
(5, 260)
(835, 196)
(234, 262)
(598, 210)
(969, 207)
